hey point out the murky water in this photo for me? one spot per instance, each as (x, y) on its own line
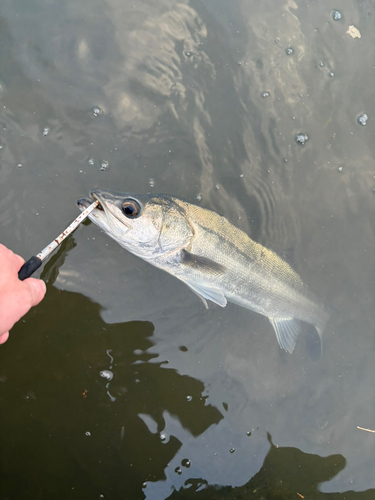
(120, 384)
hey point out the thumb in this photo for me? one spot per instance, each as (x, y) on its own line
(37, 289)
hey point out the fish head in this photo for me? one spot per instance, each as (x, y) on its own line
(146, 225)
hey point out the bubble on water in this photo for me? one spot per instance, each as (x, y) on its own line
(144, 485)
(178, 471)
(232, 450)
(301, 138)
(321, 64)
(340, 169)
(101, 496)
(45, 131)
(266, 94)
(198, 197)
(104, 164)
(91, 161)
(163, 437)
(289, 51)
(151, 183)
(331, 73)
(362, 119)
(88, 434)
(107, 374)
(96, 111)
(189, 398)
(19, 165)
(1, 146)
(336, 15)
(277, 40)
(248, 433)
(188, 53)
(217, 186)
(185, 462)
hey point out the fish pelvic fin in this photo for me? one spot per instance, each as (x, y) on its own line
(207, 292)
(287, 331)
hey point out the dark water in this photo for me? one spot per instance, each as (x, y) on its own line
(194, 98)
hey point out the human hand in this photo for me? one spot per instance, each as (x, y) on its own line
(16, 297)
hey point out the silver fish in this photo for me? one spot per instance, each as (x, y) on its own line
(218, 261)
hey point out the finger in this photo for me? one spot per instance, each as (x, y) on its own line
(15, 260)
(19, 260)
(4, 337)
(37, 289)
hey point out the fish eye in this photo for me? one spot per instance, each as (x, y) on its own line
(131, 208)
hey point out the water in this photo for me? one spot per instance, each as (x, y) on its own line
(175, 106)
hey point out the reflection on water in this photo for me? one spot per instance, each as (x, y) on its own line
(203, 100)
(65, 422)
(285, 473)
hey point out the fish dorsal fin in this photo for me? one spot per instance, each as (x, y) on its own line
(202, 263)
(287, 331)
(289, 255)
(207, 292)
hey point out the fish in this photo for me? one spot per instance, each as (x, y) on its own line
(218, 261)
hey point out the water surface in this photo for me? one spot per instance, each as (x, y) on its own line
(120, 384)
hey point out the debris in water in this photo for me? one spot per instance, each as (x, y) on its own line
(363, 429)
(353, 32)
(289, 51)
(336, 15)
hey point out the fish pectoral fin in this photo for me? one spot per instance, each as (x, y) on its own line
(202, 263)
(207, 292)
(287, 331)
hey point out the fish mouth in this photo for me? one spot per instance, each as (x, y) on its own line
(84, 203)
(102, 215)
(94, 197)
(103, 197)
(98, 211)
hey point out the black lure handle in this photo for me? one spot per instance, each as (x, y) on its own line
(29, 268)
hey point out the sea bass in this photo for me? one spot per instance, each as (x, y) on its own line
(218, 261)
